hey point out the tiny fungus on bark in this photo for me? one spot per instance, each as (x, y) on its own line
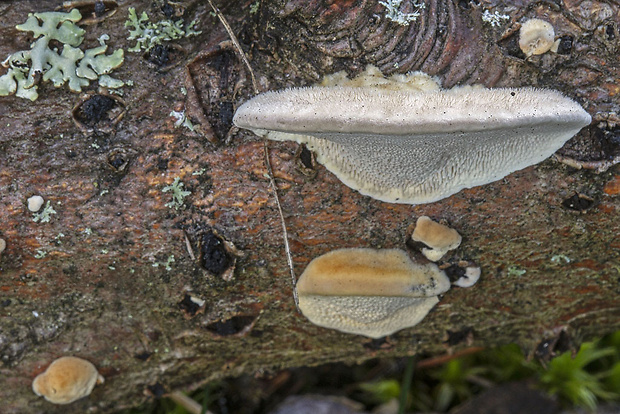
(536, 37)
(416, 144)
(35, 203)
(369, 292)
(471, 276)
(66, 380)
(439, 238)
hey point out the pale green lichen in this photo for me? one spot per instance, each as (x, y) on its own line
(182, 120)
(27, 67)
(147, 34)
(558, 258)
(167, 265)
(178, 194)
(55, 25)
(44, 215)
(515, 271)
(254, 7)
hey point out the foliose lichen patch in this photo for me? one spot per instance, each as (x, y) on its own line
(43, 61)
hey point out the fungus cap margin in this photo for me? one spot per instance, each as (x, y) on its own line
(369, 292)
(373, 139)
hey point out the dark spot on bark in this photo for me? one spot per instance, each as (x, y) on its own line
(233, 326)
(118, 159)
(159, 55)
(510, 46)
(595, 147)
(454, 272)
(167, 9)
(566, 45)
(456, 337)
(94, 110)
(578, 202)
(162, 164)
(305, 156)
(610, 32)
(156, 390)
(5, 303)
(376, 344)
(226, 113)
(99, 8)
(188, 306)
(213, 255)
(143, 356)
(550, 347)
(70, 270)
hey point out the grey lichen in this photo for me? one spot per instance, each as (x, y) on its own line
(394, 13)
(147, 34)
(178, 194)
(27, 67)
(45, 215)
(494, 19)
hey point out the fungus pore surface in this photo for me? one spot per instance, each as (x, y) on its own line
(407, 145)
(369, 292)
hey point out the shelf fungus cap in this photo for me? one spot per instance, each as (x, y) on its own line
(536, 37)
(439, 238)
(417, 146)
(369, 292)
(66, 380)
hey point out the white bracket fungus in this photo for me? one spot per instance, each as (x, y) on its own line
(439, 238)
(536, 37)
(369, 292)
(406, 146)
(66, 380)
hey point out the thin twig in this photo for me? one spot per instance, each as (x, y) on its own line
(272, 180)
(245, 60)
(188, 403)
(287, 248)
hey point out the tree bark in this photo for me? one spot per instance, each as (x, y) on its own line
(119, 278)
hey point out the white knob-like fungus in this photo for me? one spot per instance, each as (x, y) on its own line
(407, 146)
(35, 203)
(472, 274)
(66, 380)
(439, 238)
(369, 292)
(2, 245)
(536, 37)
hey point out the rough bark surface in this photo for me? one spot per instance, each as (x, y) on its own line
(93, 282)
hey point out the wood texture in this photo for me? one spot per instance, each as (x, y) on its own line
(106, 294)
